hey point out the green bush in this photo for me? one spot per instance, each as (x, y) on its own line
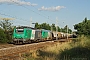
(75, 53)
(2, 36)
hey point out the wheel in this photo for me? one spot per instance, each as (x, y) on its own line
(37, 41)
(15, 43)
(29, 41)
(21, 42)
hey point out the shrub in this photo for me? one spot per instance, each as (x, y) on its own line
(2, 36)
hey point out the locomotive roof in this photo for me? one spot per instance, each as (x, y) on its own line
(46, 30)
(22, 27)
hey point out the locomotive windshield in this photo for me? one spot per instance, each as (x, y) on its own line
(19, 31)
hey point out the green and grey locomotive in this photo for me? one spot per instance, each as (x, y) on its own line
(27, 35)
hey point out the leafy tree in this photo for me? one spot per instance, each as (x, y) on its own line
(37, 25)
(2, 36)
(42, 26)
(53, 27)
(45, 26)
(58, 28)
(65, 29)
(48, 27)
(83, 27)
(6, 25)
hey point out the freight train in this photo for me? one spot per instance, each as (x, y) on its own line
(24, 34)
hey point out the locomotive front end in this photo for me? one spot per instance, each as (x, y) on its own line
(18, 36)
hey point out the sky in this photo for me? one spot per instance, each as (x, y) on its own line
(65, 12)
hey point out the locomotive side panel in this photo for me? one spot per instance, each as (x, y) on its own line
(33, 35)
(37, 34)
(44, 35)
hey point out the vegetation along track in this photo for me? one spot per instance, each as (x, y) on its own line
(10, 51)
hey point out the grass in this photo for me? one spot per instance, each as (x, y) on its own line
(78, 49)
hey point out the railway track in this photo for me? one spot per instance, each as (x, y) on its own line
(16, 50)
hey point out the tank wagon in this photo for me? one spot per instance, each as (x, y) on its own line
(27, 35)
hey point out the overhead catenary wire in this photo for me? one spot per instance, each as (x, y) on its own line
(28, 9)
(13, 17)
(22, 18)
(47, 17)
(4, 14)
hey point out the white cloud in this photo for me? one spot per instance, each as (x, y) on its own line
(57, 8)
(17, 2)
